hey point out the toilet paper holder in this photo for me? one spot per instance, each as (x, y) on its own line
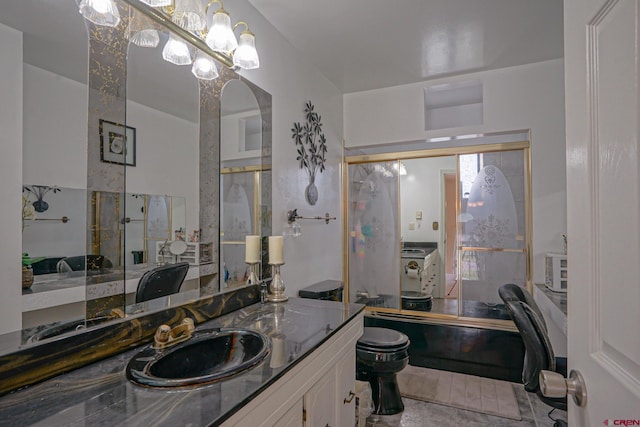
(412, 265)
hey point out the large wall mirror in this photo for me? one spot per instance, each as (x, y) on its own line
(113, 172)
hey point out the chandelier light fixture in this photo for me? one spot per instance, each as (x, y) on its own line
(193, 21)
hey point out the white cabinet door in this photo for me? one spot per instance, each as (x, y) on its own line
(602, 77)
(293, 417)
(345, 389)
(320, 402)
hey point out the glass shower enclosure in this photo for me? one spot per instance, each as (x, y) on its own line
(435, 233)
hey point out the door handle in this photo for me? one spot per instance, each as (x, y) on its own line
(351, 396)
(554, 385)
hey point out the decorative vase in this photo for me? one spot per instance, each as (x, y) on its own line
(40, 205)
(27, 277)
(311, 192)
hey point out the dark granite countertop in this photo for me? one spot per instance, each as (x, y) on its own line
(559, 299)
(100, 394)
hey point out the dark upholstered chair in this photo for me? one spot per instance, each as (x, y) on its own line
(539, 356)
(83, 262)
(161, 281)
(46, 266)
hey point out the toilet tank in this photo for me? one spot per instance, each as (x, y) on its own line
(325, 290)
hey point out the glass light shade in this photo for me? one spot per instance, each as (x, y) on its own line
(176, 51)
(145, 38)
(100, 12)
(204, 67)
(293, 230)
(246, 55)
(190, 15)
(142, 31)
(157, 3)
(220, 36)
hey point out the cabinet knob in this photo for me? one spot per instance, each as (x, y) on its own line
(351, 396)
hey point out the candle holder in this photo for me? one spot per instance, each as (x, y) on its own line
(253, 277)
(277, 285)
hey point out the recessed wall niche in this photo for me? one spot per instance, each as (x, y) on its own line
(453, 105)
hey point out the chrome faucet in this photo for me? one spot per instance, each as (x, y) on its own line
(166, 336)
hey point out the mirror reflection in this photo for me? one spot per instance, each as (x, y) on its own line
(88, 237)
(240, 194)
(163, 105)
(55, 241)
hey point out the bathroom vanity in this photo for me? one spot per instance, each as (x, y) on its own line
(309, 374)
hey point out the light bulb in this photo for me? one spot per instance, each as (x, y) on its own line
(100, 12)
(204, 67)
(246, 55)
(220, 36)
(176, 51)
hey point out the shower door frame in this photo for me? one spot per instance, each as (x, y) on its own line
(525, 146)
(256, 228)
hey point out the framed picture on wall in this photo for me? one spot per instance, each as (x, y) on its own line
(117, 143)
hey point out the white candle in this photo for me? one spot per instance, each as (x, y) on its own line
(252, 249)
(276, 250)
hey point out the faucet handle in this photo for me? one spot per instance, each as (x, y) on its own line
(162, 336)
(166, 336)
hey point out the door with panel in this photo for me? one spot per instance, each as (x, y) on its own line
(602, 99)
(345, 388)
(320, 403)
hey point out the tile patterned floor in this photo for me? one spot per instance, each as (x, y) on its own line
(425, 414)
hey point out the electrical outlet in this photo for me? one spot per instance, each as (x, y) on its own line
(412, 226)
(418, 215)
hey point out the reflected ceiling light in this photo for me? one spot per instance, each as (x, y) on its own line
(220, 36)
(100, 12)
(176, 51)
(141, 31)
(190, 15)
(440, 139)
(246, 55)
(204, 67)
(157, 3)
(402, 168)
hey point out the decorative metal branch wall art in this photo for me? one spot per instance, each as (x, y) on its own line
(312, 149)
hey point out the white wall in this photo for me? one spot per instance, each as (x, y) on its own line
(421, 190)
(317, 254)
(10, 176)
(524, 97)
(166, 157)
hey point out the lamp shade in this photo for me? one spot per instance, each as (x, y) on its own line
(246, 55)
(220, 36)
(141, 31)
(204, 67)
(100, 12)
(190, 15)
(176, 51)
(157, 3)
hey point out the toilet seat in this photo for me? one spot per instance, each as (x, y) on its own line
(382, 340)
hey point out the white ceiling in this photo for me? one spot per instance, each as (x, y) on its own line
(369, 44)
(357, 44)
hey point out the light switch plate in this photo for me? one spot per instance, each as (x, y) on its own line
(418, 215)
(412, 226)
(435, 225)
